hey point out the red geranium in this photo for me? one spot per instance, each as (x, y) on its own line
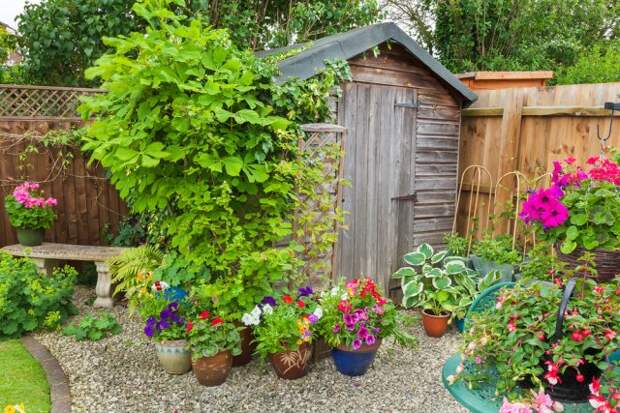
(216, 321)
(189, 326)
(344, 306)
(301, 304)
(203, 315)
(287, 299)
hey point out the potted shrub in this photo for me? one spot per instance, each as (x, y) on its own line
(284, 329)
(443, 286)
(169, 331)
(30, 213)
(580, 212)
(529, 341)
(356, 319)
(214, 342)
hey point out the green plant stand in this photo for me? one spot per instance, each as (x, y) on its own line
(483, 399)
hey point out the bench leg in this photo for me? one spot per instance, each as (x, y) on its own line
(41, 265)
(104, 286)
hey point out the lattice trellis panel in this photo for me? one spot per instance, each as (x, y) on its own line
(321, 140)
(47, 102)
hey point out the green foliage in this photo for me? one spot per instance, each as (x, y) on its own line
(440, 283)
(204, 139)
(132, 272)
(594, 218)
(8, 44)
(470, 35)
(497, 249)
(516, 335)
(540, 263)
(598, 64)
(285, 326)
(31, 218)
(61, 38)
(93, 327)
(210, 335)
(28, 298)
(456, 244)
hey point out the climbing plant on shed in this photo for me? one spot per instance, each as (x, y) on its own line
(196, 130)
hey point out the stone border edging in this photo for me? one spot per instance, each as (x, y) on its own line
(59, 385)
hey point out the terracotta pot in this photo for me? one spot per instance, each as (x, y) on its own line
(213, 371)
(435, 325)
(292, 365)
(174, 356)
(352, 362)
(247, 347)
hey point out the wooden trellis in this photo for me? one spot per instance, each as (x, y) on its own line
(22, 102)
(320, 136)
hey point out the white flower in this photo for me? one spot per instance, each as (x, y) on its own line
(335, 291)
(459, 368)
(159, 286)
(267, 309)
(344, 296)
(451, 379)
(318, 312)
(250, 320)
(256, 312)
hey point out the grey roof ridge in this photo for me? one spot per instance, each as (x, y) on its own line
(346, 45)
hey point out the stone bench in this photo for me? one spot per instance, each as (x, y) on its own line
(48, 255)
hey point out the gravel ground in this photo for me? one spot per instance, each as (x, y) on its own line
(122, 374)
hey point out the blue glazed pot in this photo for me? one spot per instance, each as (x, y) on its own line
(460, 324)
(354, 362)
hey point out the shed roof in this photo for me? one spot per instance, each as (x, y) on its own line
(352, 43)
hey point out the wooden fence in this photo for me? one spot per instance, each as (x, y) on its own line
(87, 203)
(526, 129)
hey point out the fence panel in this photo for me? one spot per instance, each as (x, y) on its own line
(526, 129)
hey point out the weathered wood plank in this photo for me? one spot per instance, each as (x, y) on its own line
(426, 156)
(442, 128)
(434, 211)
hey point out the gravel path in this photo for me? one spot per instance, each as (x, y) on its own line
(122, 374)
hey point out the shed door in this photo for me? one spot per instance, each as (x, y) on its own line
(379, 164)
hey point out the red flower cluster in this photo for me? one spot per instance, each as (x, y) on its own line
(580, 335)
(601, 403)
(287, 299)
(604, 170)
(371, 288)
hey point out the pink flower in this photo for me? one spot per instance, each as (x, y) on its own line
(478, 360)
(610, 334)
(553, 372)
(508, 407)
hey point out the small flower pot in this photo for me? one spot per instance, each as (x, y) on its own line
(213, 371)
(247, 348)
(291, 365)
(174, 356)
(354, 362)
(435, 325)
(30, 237)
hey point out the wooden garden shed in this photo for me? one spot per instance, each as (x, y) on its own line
(402, 113)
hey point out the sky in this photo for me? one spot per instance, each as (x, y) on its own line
(9, 9)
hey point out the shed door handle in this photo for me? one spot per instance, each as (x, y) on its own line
(410, 197)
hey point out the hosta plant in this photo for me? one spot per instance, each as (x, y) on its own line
(440, 283)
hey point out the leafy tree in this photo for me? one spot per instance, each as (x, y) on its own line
(61, 38)
(598, 65)
(509, 34)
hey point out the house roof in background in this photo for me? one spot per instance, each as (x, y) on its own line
(346, 45)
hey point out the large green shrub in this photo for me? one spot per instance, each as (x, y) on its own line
(195, 130)
(29, 300)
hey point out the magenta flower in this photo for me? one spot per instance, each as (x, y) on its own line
(336, 329)
(370, 339)
(362, 333)
(357, 343)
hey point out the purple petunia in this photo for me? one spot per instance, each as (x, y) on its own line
(362, 333)
(370, 339)
(149, 329)
(336, 329)
(357, 343)
(269, 300)
(305, 291)
(313, 319)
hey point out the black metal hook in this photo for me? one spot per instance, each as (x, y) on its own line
(613, 107)
(568, 291)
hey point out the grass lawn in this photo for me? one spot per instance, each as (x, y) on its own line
(22, 379)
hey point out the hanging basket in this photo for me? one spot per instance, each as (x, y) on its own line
(607, 262)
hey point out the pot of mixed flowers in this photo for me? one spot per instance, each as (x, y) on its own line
(30, 213)
(214, 342)
(545, 336)
(356, 318)
(284, 326)
(169, 332)
(580, 212)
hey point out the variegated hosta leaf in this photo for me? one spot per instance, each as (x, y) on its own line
(426, 268)
(441, 283)
(415, 258)
(439, 256)
(413, 288)
(426, 249)
(455, 267)
(409, 302)
(404, 272)
(454, 258)
(433, 272)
